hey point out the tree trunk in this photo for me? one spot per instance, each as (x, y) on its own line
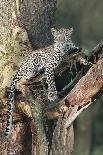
(37, 18)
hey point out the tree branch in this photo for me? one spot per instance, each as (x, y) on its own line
(80, 98)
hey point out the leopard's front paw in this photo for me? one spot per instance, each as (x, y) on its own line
(53, 97)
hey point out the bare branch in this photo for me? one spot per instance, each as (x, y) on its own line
(74, 114)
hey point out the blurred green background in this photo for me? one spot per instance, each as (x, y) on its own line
(85, 16)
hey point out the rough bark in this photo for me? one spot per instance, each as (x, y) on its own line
(80, 98)
(38, 28)
(37, 17)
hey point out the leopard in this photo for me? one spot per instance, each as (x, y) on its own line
(45, 58)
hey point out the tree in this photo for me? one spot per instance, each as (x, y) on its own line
(26, 18)
(17, 17)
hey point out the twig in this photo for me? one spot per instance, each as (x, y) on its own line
(74, 113)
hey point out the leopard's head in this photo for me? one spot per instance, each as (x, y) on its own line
(62, 37)
(61, 34)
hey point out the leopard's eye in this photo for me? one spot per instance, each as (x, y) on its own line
(66, 36)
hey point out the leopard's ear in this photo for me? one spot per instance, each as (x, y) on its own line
(54, 32)
(71, 30)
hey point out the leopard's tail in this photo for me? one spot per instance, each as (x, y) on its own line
(10, 104)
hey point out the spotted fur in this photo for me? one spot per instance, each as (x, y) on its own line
(47, 59)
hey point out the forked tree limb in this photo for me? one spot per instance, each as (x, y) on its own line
(87, 87)
(84, 92)
(80, 98)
